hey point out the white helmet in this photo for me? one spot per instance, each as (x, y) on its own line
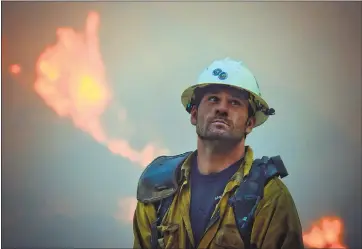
(235, 74)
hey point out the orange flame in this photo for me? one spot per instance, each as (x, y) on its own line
(15, 69)
(71, 80)
(325, 233)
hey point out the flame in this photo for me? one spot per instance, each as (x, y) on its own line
(71, 79)
(15, 69)
(325, 233)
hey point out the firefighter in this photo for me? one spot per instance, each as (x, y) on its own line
(188, 200)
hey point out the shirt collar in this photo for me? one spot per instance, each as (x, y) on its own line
(243, 170)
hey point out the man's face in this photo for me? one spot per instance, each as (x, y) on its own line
(222, 115)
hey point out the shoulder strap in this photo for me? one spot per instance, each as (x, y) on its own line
(251, 191)
(160, 178)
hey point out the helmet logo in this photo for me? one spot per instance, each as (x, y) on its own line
(221, 75)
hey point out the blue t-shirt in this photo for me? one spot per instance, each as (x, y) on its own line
(206, 191)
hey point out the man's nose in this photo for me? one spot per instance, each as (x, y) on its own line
(222, 108)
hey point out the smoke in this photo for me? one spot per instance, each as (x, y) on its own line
(71, 80)
(126, 208)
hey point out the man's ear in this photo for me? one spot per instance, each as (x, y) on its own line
(193, 115)
(250, 124)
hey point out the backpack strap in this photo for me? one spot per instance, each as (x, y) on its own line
(160, 178)
(158, 184)
(251, 190)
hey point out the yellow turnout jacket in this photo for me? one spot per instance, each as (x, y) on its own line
(276, 224)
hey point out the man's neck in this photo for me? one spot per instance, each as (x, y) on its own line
(210, 159)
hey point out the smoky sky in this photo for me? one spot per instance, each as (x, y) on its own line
(60, 188)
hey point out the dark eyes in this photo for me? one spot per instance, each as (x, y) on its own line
(235, 102)
(215, 99)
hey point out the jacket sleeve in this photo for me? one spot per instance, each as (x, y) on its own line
(144, 214)
(277, 224)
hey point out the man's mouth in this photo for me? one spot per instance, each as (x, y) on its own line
(220, 121)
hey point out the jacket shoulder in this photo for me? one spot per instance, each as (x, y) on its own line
(160, 178)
